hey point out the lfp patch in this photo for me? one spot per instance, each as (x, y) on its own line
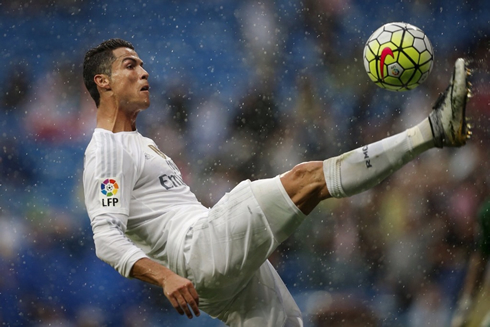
(108, 195)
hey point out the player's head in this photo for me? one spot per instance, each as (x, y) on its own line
(115, 67)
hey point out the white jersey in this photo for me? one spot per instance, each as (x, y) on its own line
(136, 199)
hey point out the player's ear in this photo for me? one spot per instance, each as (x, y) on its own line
(102, 81)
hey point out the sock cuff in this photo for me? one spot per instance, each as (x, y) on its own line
(420, 137)
(331, 171)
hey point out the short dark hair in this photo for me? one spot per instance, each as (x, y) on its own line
(98, 60)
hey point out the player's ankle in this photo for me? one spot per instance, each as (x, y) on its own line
(421, 135)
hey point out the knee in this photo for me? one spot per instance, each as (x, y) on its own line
(305, 184)
(308, 171)
(307, 178)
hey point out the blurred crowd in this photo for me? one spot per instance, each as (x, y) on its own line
(241, 89)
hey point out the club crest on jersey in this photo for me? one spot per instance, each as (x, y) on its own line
(157, 150)
(109, 192)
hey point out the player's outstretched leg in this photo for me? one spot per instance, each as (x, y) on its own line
(363, 168)
(448, 119)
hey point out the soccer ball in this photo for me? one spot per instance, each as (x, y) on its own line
(398, 57)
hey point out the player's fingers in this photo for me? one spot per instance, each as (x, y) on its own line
(191, 300)
(194, 294)
(175, 304)
(183, 304)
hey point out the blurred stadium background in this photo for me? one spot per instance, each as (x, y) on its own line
(240, 89)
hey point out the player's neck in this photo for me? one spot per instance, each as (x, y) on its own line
(115, 119)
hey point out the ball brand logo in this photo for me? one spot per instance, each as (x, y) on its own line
(109, 187)
(384, 53)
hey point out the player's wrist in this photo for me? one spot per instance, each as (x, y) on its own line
(163, 275)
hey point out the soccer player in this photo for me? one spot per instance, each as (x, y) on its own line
(148, 225)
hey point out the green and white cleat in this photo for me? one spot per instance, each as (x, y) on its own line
(448, 117)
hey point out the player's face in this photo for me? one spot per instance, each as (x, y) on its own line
(129, 80)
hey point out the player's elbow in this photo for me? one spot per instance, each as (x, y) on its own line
(102, 251)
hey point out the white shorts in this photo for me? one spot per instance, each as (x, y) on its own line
(226, 253)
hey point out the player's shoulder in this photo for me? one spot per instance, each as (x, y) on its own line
(104, 143)
(147, 140)
(107, 149)
(105, 138)
(100, 139)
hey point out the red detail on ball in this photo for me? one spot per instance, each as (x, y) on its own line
(384, 53)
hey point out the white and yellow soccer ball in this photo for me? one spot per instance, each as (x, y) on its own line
(398, 56)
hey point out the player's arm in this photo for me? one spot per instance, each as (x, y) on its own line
(113, 247)
(109, 222)
(178, 290)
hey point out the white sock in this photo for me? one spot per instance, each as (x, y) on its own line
(361, 169)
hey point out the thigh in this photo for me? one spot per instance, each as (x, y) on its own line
(226, 248)
(240, 233)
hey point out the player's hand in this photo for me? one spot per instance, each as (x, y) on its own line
(182, 294)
